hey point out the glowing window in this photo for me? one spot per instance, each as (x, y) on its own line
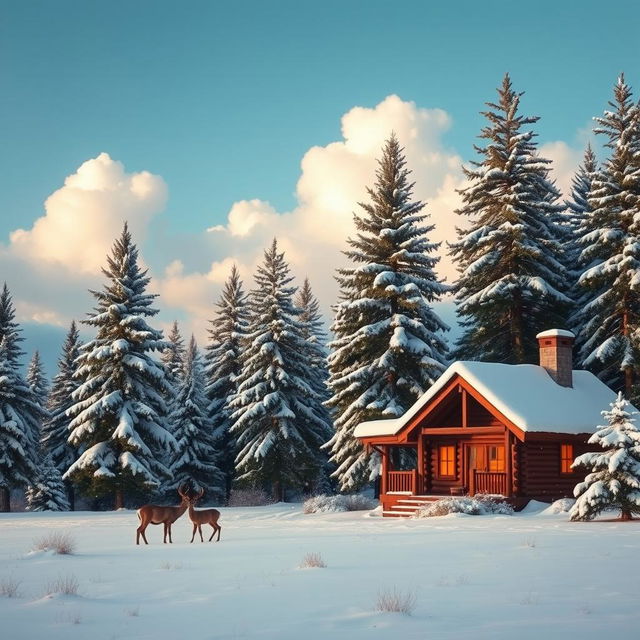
(566, 458)
(496, 459)
(447, 461)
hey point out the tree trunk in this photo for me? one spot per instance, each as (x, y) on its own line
(5, 500)
(626, 515)
(71, 496)
(628, 382)
(278, 491)
(119, 498)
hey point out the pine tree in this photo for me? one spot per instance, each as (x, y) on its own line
(512, 284)
(387, 348)
(48, 493)
(119, 415)
(55, 429)
(37, 380)
(196, 461)
(577, 221)
(173, 356)
(314, 336)
(614, 478)
(20, 412)
(610, 336)
(223, 363)
(275, 423)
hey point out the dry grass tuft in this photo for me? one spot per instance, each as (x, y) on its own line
(62, 543)
(133, 613)
(10, 587)
(313, 561)
(249, 498)
(67, 585)
(396, 601)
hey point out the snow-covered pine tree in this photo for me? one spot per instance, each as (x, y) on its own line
(387, 347)
(614, 478)
(275, 422)
(20, 411)
(315, 355)
(223, 363)
(173, 356)
(196, 461)
(48, 492)
(37, 379)
(610, 336)
(55, 428)
(511, 282)
(577, 219)
(119, 415)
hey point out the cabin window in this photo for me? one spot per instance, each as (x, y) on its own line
(447, 461)
(566, 458)
(496, 459)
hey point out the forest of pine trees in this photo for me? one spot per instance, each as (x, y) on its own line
(273, 398)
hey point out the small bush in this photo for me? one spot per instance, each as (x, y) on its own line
(564, 505)
(62, 543)
(396, 601)
(249, 498)
(312, 561)
(479, 505)
(339, 503)
(9, 588)
(67, 585)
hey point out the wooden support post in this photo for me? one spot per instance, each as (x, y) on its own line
(508, 462)
(385, 469)
(464, 409)
(419, 488)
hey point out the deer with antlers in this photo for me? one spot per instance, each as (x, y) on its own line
(203, 516)
(154, 514)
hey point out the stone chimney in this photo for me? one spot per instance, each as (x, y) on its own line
(556, 355)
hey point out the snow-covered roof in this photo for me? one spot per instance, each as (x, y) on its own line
(524, 393)
(551, 333)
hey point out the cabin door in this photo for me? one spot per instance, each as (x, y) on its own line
(476, 461)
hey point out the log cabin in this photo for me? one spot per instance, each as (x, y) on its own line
(508, 430)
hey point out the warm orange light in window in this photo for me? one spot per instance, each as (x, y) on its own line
(496, 459)
(447, 461)
(566, 458)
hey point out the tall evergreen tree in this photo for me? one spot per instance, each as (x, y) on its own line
(512, 284)
(577, 221)
(119, 415)
(173, 356)
(315, 355)
(37, 379)
(20, 411)
(610, 336)
(196, 461)
(613, 481)
(387, 348)
(55, 429)
(223, 363)
(275, 420)
(48, 492)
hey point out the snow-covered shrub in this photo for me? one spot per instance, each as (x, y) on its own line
(249, 498)
(396, 601)
(313, 561)
(339, 503)
(62, 543)
(478, 505)
(564, 505)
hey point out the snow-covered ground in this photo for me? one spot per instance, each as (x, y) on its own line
(532, 575)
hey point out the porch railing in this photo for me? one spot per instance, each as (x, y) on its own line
(402, 481)
(490, 482)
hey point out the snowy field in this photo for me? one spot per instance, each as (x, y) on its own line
(531, 575)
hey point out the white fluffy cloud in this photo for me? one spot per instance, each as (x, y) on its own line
(50, 266)
(333, 180)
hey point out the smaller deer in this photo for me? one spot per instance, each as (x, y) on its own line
(203, 516)
(154, 514)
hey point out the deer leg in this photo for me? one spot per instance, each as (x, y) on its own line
(195, 526)
(219, 530)
(200, 532)
(169, 529)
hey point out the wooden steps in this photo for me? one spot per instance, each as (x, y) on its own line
(405, 506)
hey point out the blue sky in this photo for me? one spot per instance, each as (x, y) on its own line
(223, 100)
